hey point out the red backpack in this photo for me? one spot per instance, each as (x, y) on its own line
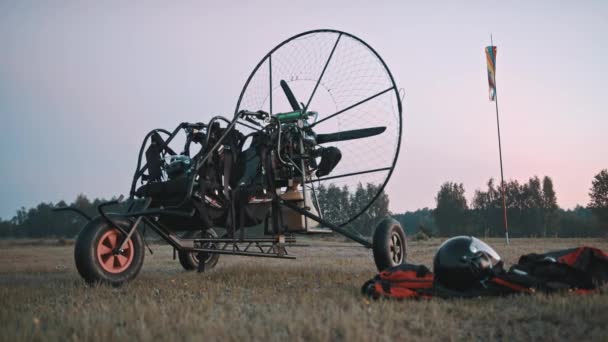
(399, 282)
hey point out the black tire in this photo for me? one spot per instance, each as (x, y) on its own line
(389, 245)
(87, 258)
(190, 260)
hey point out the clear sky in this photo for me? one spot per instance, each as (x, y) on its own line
(80, 84)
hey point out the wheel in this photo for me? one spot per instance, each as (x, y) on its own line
(389, 244)
(96, 257)
(190, 260)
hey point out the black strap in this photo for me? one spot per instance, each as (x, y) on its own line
(228, 162)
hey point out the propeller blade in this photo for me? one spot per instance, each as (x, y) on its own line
(349, 135)
(292, 99)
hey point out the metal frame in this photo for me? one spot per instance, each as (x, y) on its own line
(266, 247)
(260, 247)
(269, 247)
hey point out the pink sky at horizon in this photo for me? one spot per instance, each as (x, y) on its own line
(71, 73)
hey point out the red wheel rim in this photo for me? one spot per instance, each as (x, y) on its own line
(110, 262)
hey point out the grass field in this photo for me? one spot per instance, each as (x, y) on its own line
(315, 297)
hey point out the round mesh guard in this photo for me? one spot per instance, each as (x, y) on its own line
(349, 85)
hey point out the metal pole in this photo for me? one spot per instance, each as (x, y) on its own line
(502, 177)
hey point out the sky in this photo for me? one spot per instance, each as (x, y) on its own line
(82, 82)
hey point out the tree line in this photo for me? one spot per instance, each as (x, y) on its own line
(337, 204)
(532, 211)
(42, 222)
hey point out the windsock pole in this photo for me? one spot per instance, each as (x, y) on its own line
(502, 177)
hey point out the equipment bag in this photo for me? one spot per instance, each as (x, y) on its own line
(581, 270)
(399, 282)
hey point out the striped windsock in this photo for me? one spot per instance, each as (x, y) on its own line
(491, 59)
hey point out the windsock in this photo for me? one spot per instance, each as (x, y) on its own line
(491, 59)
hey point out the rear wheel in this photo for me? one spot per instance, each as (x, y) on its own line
(98, 255)
(389, 244)
(191, 260)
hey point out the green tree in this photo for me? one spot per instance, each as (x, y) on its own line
(340, 204)
(421, 219)
(531, 208)
(378, 209)
(534, 198)
(7, 229)
(487, 210)
(577, 222)
(549, 206)
(599, 197)
(450, 213)
(529, 214)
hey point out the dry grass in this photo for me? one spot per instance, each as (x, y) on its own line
(315, 297)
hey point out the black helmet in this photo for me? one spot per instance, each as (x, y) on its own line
(464, 262)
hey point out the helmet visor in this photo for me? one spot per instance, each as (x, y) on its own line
(480, 246)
